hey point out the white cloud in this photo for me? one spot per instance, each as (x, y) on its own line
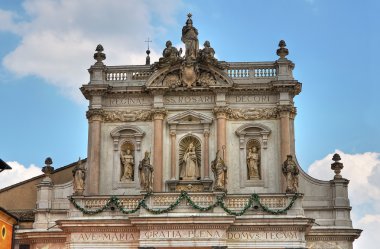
(18, 173)
(363, 171)
(58, 37)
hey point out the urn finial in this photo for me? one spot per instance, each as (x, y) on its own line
(282, 51)
(337, 166)
(99, 56)
(48, 169)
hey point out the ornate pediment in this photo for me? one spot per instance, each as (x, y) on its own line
(197, 69)
(190, 117)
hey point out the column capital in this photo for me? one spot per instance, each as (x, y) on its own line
(159, 113)
(95, 114)
(221, 111)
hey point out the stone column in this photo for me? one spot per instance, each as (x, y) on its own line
(158, 117)
(221, 117)
(95, 117)
(206, 134)
(285, 133)
(172, 154)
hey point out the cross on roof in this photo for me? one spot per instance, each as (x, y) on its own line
(148, 41)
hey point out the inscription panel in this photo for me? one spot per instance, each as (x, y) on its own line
(251, 99)
(183, 234)
(104, 237)
(189, 99)
(128, 101)
(263, 236)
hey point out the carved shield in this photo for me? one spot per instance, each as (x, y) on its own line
(189, 76)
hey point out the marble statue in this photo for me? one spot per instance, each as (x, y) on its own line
(219, 169)
(146, 173)
(79, 174)
(128, 164)
(170, 55)
(253, 162)
(190, 38)
(190, 167)
(291, 172)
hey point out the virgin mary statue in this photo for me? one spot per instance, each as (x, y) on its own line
(189, 166)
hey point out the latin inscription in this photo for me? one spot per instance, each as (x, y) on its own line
(249, 99)
(128, 101)
(106, 237)
(262, 236)
(172, 100)
(182, 234)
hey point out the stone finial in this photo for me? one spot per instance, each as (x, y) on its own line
(337, 166)
(282, 51)
(99, 56)
(147, 60)
(48, 169)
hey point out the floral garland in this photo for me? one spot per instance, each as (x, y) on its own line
(254, 198)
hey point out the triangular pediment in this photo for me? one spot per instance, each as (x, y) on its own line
(190, 117)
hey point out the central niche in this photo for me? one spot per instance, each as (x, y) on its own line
(190, 158)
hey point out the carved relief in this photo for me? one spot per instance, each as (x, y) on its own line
(253, 160)
(207, 79)
(190, 158)
(291, 172)
(253, 113)
(171, 80)
(127, 162)
(127, 116)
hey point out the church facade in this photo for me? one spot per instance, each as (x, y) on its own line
(189, 152)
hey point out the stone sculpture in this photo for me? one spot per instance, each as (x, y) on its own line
(79, 175)
(291, 172)
(146, 173)
(190, 168)
(170, 56)
(207, 54)
(219, 169)
(253, 162)
(190, 38)
(128, 163)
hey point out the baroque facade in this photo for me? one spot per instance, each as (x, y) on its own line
(188, 152)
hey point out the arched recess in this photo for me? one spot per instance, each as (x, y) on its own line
(122, 135)
(184, 144)
(253, 135)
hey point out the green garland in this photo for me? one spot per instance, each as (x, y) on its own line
(254, 198)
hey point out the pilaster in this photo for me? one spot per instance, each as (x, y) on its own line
(158, 117)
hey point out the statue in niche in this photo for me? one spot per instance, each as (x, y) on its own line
(190, 38)
(189, 166)
(291, 172)
(219, 169)
(253, 163)
(146, 173)
(128, 163)
(79, 174)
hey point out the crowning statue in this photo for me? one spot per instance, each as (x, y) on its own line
(79, 174)
(146, 173)
(190, 38)
(290, 171)
(128, 164)
(170, 55)
(189, 166)
(219, 169)
(253, 161)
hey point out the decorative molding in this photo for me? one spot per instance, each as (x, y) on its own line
(95, 114)
(128, 116)
(253, 113)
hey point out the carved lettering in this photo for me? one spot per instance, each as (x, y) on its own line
(263, 236)
(106, 237)
(182, 234)
(127, 101)
(185, 100)
(250, 99)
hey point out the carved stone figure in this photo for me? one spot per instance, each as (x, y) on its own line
(207, 53)
(128, 163)
(79, 174)
(171, 80)
(190, 38)
(253, 162)
(190, 168)
(219, 169)
(207, 79)
(146, 173)
(290, 171)
(170, 56)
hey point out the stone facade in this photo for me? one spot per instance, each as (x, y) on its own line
(198, 123)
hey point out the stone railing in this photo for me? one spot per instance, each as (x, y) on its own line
(163, 200)
(128, 73)
(252, 70)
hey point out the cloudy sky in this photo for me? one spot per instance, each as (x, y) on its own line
(47, 47)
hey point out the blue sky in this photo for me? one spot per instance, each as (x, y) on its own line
(46, 47)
